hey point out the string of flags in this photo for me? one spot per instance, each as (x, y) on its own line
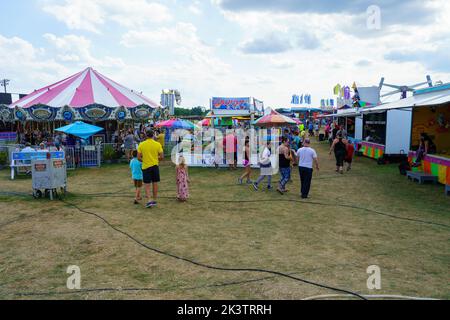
(301, 99)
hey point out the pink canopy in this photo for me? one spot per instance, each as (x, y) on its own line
(85, 88)
(204, 123)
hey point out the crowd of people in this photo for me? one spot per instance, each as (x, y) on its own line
(294, 150)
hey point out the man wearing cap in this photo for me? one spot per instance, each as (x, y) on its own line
(150, 152)
(307, 158)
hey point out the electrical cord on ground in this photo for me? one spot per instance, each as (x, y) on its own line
(211, 267)
(334, 205)
(174, 288)
(308, 202)
(349, 293)
(373, 211)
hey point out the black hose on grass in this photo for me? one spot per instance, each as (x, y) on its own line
(348, 206)
(174, 288)
(211, 267)
(215, 267)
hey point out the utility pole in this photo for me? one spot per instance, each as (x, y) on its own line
(4, 83)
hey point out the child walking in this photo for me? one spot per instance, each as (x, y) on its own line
(137, 176)
(182, 180)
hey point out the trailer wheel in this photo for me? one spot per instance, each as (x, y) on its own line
(37, 194)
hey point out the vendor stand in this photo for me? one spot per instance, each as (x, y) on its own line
(427, 111)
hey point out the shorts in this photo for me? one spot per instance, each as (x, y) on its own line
(247, 163)
(138, 183)
(151, 175)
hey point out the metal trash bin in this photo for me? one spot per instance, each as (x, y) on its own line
(49, 175)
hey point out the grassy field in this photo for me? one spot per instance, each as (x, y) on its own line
(323, 239)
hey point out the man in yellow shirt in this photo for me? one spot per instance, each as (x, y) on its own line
(150, 152)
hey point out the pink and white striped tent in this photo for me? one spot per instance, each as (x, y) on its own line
(85, 88)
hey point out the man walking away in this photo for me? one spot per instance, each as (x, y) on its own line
(150, 152)
(307, 158)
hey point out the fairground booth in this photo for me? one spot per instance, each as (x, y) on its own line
(351, 120)
(88, 96)
(395, 128)
(230, 111)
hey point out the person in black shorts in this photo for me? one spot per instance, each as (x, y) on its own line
(150, 152)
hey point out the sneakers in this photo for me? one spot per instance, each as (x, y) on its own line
(280, 191)
(270, 188)
(240, 182)
(151, 204)
(255, 186)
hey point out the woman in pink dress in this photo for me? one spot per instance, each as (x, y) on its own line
(182, 180)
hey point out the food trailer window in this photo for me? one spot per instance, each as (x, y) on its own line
(375, 127)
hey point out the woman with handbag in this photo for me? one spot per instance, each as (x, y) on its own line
(266, 168)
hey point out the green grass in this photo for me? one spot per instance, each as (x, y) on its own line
(326, 243)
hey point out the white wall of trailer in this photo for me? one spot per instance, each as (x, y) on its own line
(398, 131)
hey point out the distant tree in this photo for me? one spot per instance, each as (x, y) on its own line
(197, 111)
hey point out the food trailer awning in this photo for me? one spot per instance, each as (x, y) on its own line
(353, 112)
(421, 98)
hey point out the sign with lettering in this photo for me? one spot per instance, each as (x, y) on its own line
(231, 104)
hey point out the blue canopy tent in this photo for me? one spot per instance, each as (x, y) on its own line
(80, 129)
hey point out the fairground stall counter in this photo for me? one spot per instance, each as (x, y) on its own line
(427, 111)
(432, 116)
(88, 96)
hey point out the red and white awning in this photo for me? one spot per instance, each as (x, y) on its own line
(83, 89)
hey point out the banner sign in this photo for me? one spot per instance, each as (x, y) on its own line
(24, 156)
(231, 104)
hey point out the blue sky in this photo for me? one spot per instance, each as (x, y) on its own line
(263, 48)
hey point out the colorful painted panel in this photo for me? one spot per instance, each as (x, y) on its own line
(372, 150)
(435, 165)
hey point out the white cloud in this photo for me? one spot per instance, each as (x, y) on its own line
(73, 48)
(183, 40)
(90, 15)
(27, 66)
(195, 8)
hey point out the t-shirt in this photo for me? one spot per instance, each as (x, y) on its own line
(150, 150)
(136, 169)
(306, 157)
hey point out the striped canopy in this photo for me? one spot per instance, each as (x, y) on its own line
(85, 88)
(274, 119)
